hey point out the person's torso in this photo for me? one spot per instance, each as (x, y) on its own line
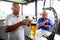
(47, 23)
(18, 31)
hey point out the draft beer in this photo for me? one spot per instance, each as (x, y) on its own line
(32, 30)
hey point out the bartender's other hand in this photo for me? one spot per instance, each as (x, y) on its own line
(41, 24)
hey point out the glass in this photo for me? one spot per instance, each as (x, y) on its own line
(32, 30)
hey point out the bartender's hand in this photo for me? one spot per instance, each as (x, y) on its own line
(26, 22)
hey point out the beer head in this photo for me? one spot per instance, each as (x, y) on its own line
(34, 24)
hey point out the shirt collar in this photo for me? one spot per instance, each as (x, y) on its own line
(45, 18)
(14, 15)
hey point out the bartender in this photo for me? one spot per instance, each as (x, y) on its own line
(15, 22)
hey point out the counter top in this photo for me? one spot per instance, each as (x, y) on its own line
(39, 33)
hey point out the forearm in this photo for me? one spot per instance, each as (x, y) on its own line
(47, 26)
(41, 24)
(13, 27)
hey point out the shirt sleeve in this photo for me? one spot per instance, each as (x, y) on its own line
(39, 20)
(8, 21)
(50, 23)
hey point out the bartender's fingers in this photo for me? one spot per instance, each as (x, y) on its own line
(28, 21)
(28, 24)
(24, 22)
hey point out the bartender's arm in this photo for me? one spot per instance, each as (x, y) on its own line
(15, 26)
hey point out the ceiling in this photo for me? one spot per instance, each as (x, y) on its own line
(22, 1)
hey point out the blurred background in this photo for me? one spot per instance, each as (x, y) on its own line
(28, 10)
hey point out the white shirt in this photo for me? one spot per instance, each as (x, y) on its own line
(18, 34)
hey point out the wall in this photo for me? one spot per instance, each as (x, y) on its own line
(3, 34)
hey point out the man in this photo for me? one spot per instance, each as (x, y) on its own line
(44, 23)
(15, 24)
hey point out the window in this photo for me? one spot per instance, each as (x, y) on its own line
(29, 9)
(55, 5)
(5, 9)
